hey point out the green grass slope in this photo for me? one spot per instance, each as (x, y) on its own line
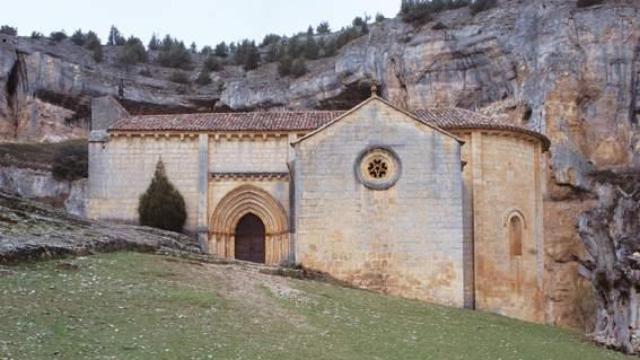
(137, 306)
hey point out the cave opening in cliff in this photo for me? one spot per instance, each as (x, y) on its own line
(12, 82)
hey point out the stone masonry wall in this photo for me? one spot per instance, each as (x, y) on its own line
(121, 169)
(250, 154)
(504, 175)
(406, 240)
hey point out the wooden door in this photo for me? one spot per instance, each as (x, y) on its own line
(250, 239)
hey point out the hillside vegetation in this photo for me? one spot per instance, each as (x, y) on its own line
(138, 306)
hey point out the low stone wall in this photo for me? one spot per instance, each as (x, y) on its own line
(42, 186)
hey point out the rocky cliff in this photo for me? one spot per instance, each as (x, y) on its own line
(572, 72)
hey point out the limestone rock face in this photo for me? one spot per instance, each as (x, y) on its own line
(42, 186)
(573, 73)
(32, 231)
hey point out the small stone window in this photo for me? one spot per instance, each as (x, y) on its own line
(378, 168)
(515, 235)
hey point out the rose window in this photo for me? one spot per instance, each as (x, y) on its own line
(378, 168)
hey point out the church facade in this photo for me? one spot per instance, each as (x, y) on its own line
(441, 205)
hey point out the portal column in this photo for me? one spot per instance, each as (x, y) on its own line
(203, 185)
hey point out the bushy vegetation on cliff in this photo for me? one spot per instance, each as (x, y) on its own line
(66, 159)
(162, 206)
(421, 11)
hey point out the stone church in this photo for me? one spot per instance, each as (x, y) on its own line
(442, 205)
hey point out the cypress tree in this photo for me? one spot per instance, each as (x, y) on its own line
(162, 206)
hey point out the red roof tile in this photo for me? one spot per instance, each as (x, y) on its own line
(254, 121)
(444, 118)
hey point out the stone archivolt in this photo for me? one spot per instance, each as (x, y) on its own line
(248, 199)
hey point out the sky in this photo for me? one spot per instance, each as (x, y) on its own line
(205, 22)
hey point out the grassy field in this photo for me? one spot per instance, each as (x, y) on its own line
(136, 306)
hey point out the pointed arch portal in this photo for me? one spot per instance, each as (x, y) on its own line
(249, 224)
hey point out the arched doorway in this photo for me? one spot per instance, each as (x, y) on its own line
(233, 207)
(250, 239)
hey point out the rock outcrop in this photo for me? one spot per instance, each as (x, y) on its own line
(41, 185)
(571, 72)
(30, 231)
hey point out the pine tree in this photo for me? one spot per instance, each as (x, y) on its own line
(222, 50)
(162, 206)
(311, 49)
(115, 38)
(193, 48)
(58, 35)
(252, 57)
(154, 43)
(78, 38)
(323, 28)
(8, 30)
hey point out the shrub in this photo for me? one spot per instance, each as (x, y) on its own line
(323, 28)
(115, 38)
(78, 38)
(439, 26)
(482, 5)
(379, 18)
(275, 52)
(162, 206)
(206, 50)
(222, 50)
(174, 54)
(211, 63)
(270, 39)
(346, 35)
(294, 48)
(284, 66)
(58, 36)
(587, 3)
(132, 52)
(420, 12)
(361, 24)
(203, 78)
(8, 30)
(247, 55)
(298, 68)
(92, 42)
(311, 49)
(98, 55)
(329, 48)
(70, 162)
(193, 47)
(37, 35)
(180, 77)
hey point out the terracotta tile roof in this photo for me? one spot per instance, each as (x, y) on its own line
(444, 118)
(254, 121)
(463, 119)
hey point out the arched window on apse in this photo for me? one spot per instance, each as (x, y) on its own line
(516, 230)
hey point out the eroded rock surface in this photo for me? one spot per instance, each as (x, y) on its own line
(30, 230)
